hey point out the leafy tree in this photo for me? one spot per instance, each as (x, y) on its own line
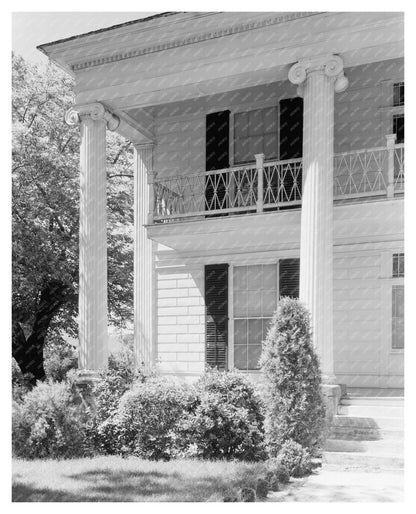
(45, 220)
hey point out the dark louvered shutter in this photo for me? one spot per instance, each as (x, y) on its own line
(289, 277)
(216, 318)
(217, 157)
(290, 143)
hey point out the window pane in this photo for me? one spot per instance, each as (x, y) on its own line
(255, 122)
(240, 278)
(240, 331)
(270, 146)
(270, 120)
(398, 94)
(254, 303)
(242, 151)
(398, 265)
(254, 278)
(269, 277)
(253, 356)
(255, 331)
(240, 304)
(268, 302)
(240, 356)
(398, 317)
(241, 125)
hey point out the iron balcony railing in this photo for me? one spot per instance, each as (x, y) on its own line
(274, 185)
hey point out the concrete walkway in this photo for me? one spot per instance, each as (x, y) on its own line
(334, 485)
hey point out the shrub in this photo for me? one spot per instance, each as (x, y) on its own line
(149, 416)
(227, 421)
(49, 423)
(119, 376)
(294, 404)
(59, 358)
(295, 458)
(279, 470)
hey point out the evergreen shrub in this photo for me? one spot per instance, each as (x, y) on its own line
(294, 404)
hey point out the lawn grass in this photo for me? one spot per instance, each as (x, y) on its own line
(117, 479)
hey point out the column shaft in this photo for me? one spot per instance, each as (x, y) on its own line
(316, 247)
(93, 350)
(143, 259)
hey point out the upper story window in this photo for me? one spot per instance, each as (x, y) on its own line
(255, 132)
(398, 94)
(398, 265)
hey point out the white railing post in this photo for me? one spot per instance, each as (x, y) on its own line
(259, 165)
(391, 141)
(150, 182)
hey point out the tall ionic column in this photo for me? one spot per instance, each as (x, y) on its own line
(143, 257)
(318, 79)
(93, 344)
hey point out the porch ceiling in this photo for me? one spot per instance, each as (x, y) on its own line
(189, 55)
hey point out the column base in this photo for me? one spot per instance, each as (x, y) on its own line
(84, 384)
(332, 396)
(87, 377)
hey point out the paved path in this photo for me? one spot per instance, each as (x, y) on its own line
(334, 485)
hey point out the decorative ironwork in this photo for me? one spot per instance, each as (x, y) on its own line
(359, 173)
(362, 172)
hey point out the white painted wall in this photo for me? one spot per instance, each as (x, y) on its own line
(366, 236)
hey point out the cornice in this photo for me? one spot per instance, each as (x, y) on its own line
(206, 36)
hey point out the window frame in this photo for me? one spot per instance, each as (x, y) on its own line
(231, 332)
(247, 110)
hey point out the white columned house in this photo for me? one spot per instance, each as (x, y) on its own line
(269, 162)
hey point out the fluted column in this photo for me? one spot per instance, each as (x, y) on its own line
(318, 79)
(143, 257)
(93, 344)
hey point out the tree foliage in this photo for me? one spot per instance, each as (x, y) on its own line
(45, 220)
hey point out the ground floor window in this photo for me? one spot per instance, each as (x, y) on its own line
(398, 317)
(256, 289)
(254, 302)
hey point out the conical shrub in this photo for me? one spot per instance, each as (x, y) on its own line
(294, 404)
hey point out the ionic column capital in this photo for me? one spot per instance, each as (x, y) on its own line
(330, 65)
(96, 111)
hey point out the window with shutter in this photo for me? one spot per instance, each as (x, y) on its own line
(289, 272)
(216, 315)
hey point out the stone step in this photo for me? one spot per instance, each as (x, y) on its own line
(386, 401)
(350, 461)
(371, 423)
(381, 447)
(364, 434)
(372, 411)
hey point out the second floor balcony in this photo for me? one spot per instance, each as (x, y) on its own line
(359, 175)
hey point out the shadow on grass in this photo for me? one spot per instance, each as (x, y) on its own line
(109, 485)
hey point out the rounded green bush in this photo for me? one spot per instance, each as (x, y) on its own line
(49, 423)
(295, 458)
(294, 405)
(227, 421)
(149, 415)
